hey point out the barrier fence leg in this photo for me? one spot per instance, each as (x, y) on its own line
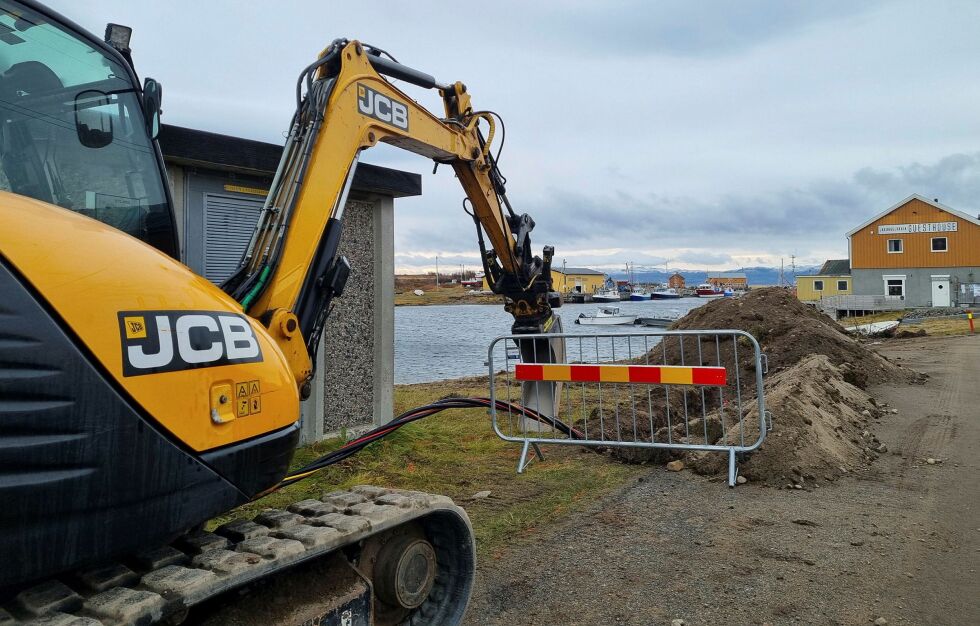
(523, 462)
(732, 469)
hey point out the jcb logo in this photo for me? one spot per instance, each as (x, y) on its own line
(170, 341)
(381, 107)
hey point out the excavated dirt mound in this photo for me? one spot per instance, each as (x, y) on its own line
(820, 429)
(788, 331)
(814, 390)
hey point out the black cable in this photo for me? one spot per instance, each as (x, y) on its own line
(415, 414)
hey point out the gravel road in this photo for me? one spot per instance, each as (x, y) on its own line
(899, 542)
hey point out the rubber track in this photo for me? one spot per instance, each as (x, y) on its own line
(160, 584)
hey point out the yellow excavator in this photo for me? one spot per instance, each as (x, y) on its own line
(121, 371)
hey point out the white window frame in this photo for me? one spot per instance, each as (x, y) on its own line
(901, 246)
(820, 288)
(842, 282)
(932, 244)
(887, 277)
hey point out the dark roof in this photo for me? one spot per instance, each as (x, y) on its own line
(835, 267)
(187, 146)
(568, 271)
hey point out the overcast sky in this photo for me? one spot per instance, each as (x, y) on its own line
(712, 134)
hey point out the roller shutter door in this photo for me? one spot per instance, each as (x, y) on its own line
(228, 224)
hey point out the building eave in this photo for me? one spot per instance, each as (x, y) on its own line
(915, 196)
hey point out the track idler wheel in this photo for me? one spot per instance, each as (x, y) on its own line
(422, 572)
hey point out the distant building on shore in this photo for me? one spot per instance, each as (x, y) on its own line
(572, 279)
(919, 252)
(676, 281)
(736, 281)
(833, 279)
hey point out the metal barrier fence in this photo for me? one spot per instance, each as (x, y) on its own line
(668, 390)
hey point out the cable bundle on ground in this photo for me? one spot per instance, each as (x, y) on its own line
(356, 445)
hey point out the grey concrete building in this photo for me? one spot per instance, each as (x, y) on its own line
(219, 184)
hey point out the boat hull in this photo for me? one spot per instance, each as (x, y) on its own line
(635, 297)
(620, 320)
(664, 296)
(606, 298)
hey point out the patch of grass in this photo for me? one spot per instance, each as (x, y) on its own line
(456, 453)
(450, 294)
(941, 326)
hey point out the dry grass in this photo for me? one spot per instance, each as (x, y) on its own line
(933, 326)
(456, 453)
(450, 294)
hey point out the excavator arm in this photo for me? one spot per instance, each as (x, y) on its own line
(291, 271)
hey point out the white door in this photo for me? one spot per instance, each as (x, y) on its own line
(940, 291)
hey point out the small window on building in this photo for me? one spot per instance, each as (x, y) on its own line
(818, 285)
(895, 287)
(894, 246)
(939, 244)
(841, 285)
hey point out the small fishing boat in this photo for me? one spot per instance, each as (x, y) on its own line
(639, 295)
(606, 316)
(668, 293)
(606, 295)
(873, 329)
(707, 290)
(656, 322)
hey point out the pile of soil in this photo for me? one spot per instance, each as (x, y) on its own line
(788, 331)
(815, 391)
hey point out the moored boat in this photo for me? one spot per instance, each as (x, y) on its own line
(606, 295)
(668, 293)
(638, 295)
(707, 290)
(606, 316)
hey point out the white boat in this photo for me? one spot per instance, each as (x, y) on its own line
(874, 328)
(606, 316)
(664, 294)
(606, 295)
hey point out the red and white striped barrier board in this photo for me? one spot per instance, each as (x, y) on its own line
(640, 374)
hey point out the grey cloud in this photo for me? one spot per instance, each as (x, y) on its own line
(695, 29)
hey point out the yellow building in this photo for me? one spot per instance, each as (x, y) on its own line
(833, 279)
(572, 279)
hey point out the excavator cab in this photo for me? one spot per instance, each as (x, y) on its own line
(72, 118)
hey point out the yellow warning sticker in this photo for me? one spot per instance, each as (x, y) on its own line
(254, 191)
(135, 327)
(248, 398)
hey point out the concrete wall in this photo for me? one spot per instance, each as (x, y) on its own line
(353, 389)
(918, 282)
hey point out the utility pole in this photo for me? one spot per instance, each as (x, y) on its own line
(564, 277)
(437, 270)
(792, 259)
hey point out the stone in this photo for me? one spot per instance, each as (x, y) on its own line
(881, 621)
(931, 461)
(675, 466)
(894, 411)
(52, 595)
(677, 622)
(480, 495)
(741, 480)
(857, 542)
(797, 486)
(866, 413)
(126, 606)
